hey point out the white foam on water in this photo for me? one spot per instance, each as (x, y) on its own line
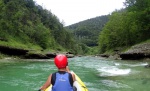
(136, 65)
(112, 71)
(117, 64)
(144, 64)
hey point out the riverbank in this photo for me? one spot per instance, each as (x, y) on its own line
(136, 52)
(139, 51)
(7, 51)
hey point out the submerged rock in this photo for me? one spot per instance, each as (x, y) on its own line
(147, 66)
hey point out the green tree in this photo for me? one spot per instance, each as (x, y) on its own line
(141, 9)
(28, 23)
(126, 27)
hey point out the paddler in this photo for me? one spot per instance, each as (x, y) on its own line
(61, 80)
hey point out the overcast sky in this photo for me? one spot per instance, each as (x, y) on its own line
(73, 11)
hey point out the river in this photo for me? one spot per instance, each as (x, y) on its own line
(97, 73)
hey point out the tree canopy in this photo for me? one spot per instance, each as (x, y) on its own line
(126, 27)
(27, 22)
(87, 31)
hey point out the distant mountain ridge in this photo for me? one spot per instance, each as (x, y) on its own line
(87, 31)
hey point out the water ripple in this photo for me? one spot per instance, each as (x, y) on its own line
(114, 84)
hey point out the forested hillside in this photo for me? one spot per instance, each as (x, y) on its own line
(126, 27)
(87, 31)
(25, 24)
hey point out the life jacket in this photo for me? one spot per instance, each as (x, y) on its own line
(62, 81)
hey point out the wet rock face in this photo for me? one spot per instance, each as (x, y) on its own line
(137, 52)
(13, 51)
(133, 56)
(39, 56)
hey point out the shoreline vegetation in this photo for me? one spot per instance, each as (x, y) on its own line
(136, 52)
(7, 51)
(27, 30)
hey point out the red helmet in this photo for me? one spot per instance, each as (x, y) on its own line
(61, 61)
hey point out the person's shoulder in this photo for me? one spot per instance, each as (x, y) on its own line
(51, 75)
(72, 74)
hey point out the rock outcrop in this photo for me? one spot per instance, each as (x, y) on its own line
(30, 54)
(13, 51)
(137, 52)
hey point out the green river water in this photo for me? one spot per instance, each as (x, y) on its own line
(98, 74)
